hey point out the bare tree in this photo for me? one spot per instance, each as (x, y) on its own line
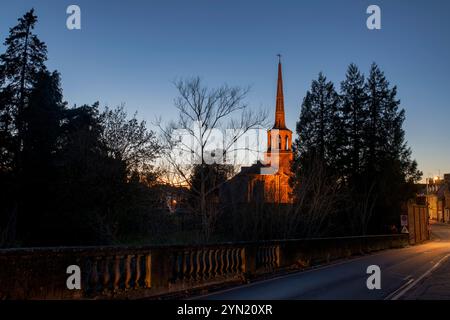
(200, 142)
(316, 199)
(360, 208)
(129, 140)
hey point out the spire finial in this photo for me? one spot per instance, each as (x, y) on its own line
(279, 57)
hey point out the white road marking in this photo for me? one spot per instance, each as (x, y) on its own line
(412, 283)
(296, 273)
(389, 297)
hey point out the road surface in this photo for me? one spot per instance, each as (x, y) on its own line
(417, 272)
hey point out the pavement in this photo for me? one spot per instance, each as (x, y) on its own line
(415, 272)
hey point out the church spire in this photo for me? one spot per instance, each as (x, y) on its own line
(279, 111)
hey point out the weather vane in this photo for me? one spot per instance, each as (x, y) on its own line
(279, 57)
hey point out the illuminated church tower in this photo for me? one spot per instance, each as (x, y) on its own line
(267, 181)
(279, 138)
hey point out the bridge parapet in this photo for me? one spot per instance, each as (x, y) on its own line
(124, 272)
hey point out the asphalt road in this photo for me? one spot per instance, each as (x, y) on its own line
(403, 273)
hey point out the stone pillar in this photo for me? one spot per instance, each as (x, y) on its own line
(249, 263)
(160, 268)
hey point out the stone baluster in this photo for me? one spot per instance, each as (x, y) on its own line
(269, 256)
(137, 277)
(236, 261)
(198, 264)
(116, 272)
(229, 261)
(181, 266)
(106, 274)
(94, 274)
(272, 257)
(203, 264)
(185, 264)
(277, 256)
(266, 256)
(191, 265)
(210, 263)
(226, 261)
(216, 262)
(242, 258)
(128, 271)
(148, 271)
(220, 259)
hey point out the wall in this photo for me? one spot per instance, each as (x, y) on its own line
(142, 272)
(418, 223)
(447, 205)
(433, 206)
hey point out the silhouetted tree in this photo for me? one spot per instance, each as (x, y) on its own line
(202, 113)
(42, 119)
(353, 118)
(388, 161)
(7, 135)
(42, 122)
(103, 197)
(359, 138)
(20, 66)
(129, 140)
(317, 129)
(68, 176)
(90, 183)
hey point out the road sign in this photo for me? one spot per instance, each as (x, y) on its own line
(404, 220)
(405, 229)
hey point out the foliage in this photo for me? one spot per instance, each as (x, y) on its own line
(358, 137)
(69, 176)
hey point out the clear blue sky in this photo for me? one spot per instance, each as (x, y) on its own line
(131, 51)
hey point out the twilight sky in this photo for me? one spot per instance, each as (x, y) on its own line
(131, 51)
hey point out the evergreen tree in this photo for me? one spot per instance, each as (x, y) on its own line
(357, 139)
(7, 139)
(318, 125)
(378, 96)
(388, 163)
(42, 124)
(20, 66)
(64, 176)
(353, 120)
(42, 119)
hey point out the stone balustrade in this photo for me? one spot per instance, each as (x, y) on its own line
(143, 272)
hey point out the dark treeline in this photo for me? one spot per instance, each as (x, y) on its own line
(80, 175)
(352, 168)
(68, 175)
(355, 139)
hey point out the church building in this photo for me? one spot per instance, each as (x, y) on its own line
(268, 181)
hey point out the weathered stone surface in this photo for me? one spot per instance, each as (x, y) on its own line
(139, 272)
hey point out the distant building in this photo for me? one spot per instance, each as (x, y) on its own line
(267, 181)
(437, 193)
